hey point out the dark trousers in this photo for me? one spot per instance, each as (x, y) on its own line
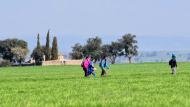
(103, 72)
(85, 72)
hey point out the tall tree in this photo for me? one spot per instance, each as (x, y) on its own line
(77, 51)
(93, 47)
(38, 53)
(47, 48)
(54, 51)
(129, 45)
(38, 41)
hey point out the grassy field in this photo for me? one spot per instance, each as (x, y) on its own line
(135, 85)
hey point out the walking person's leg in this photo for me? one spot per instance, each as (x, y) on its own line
(171, 70)
(89, 73)
(85, 72)
(174, 70)
(103, 72)
(94, 74)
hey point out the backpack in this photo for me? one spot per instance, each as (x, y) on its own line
(170, 62)
(82, 64)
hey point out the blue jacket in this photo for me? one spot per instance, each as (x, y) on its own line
(91, 67)
(104, 64)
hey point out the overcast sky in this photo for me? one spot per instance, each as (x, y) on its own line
(156, 23)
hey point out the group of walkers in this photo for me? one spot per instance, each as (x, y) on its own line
(89, 68)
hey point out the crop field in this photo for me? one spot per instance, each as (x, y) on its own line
(127, 85)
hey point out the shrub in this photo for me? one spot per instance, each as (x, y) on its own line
(5, 63)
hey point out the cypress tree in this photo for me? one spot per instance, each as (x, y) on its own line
(47, 48)
(38, 42)
(54, 51)
(37, 53)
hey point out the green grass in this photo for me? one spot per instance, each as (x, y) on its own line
(135, 85)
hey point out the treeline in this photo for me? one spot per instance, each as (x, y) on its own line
(125, 46)
(14, 51)
(45, 51)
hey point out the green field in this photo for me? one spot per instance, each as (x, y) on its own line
(135, 85)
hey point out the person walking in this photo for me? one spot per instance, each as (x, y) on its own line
(85, 65)
(173, 65)
(104, 66)
(91, 68)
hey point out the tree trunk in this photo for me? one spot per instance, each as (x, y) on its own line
(20, 62)
(113, 62)
(129, 58)
(113, 58)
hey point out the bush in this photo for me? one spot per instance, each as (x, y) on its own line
(5, 63)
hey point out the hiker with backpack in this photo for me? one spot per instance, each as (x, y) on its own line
(104, 65)
(85, 65)
(173, 64)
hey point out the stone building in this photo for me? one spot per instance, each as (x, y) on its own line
(61, 61)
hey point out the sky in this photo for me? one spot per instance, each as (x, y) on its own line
(158, 24)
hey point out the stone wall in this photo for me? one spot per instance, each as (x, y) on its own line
(72, 62)
(64, 62)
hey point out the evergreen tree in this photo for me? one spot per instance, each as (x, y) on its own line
(54, 51)
(47, 48)
(37, 53)
(38, 42)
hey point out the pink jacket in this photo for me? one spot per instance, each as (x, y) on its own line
(86, 63)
